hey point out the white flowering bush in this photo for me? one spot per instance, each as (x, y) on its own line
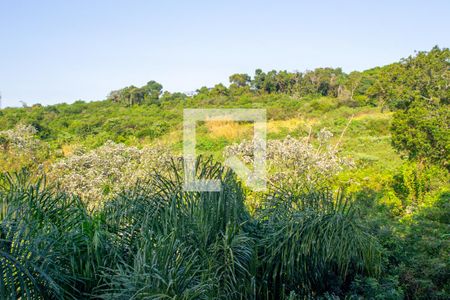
(20, 148)
(293, 162)
(21, 138)
(98, 174)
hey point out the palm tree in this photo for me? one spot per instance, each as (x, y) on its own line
(157, 241)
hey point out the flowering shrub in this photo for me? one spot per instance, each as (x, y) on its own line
(96, 175)
(20, 138)
(20, 148)
(294, 162)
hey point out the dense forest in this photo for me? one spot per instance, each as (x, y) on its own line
(358, 203)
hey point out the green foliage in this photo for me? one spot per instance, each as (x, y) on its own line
(314, 240)
(240, 80)
(415, 246)
(50, 247)
(418, 88)
(421, 132)
(156, 241)
(424, 78)
(371, 288)
(425, 270)
(131, 95)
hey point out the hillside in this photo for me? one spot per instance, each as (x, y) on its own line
(357, 204)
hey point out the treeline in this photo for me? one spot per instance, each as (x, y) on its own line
(424, 75)
(318, 82)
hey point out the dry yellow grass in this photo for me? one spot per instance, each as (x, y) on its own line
(228, 129)
(172, 137)
(289, 125)
(234, 130)
(372, 115)
(68, 149)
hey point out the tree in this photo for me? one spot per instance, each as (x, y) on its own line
(172, 97)
(115, 96)
(219, 90)
(240, 80)
(418, 89)
(270, 82)
(258, 80)
(352, 83)
(152, 90)
(322, 81)
(421, 132)
(129, 95)
(424, 77)
(133, 95)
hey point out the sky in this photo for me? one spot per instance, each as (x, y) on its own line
(62, 51)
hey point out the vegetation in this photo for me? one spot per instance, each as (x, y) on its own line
(155, 241)
(92, 205)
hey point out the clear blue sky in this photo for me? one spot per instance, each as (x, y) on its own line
(61, 51)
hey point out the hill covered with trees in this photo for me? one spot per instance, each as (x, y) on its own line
(357, 204)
